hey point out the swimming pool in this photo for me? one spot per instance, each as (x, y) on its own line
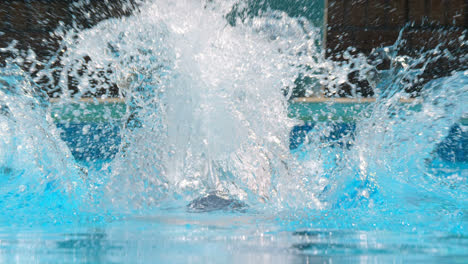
(207, 159)
(173, 234)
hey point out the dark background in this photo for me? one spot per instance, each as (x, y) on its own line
(363, 24)
(369, 24)
(33, 22)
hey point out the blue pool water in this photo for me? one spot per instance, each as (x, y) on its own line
(102, 140)
(171, 234)
(210, 163)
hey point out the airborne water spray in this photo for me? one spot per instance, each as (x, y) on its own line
(206, 112)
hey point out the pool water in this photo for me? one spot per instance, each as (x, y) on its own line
(173, 234)
(207, 158)
(181, 238)
(102, 140)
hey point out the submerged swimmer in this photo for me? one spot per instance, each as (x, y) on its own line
(216, 201)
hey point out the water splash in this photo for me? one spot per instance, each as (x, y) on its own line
(206, 113)
(38, 171)
(206, 110)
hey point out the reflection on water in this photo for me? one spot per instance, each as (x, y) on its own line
(143, 241)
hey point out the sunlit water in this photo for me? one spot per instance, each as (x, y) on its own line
(202, 165)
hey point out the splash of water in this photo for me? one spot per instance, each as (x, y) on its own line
(206, 110)
(38, 171)
(206, 113)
